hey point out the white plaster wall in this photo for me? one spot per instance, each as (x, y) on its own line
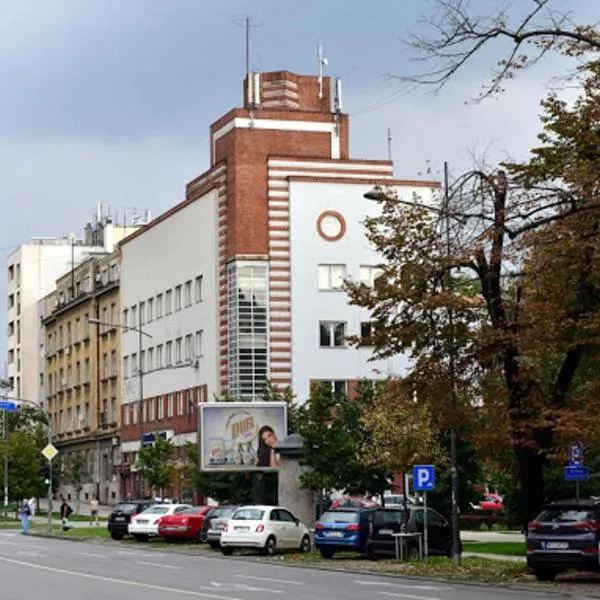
(309, 305)
(181, 247)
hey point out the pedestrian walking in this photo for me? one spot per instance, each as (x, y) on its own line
(94, 506)
(65, 513)
(24, 514)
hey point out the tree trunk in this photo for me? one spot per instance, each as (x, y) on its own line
(531, 477)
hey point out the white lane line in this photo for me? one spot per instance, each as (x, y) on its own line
(27, 553)
(408, 596)
(91, 555)
(431, 588)
(269, 579)
(138, 584)
(134, 553)
(151, 564)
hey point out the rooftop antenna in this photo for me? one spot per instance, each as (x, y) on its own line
(389, 144)
(338, 96)
(323, 62)
(247, 23)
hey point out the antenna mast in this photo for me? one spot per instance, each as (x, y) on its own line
(323, 62)
(247, 25)
(389, 143)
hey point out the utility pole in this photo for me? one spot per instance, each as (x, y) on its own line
(140, 331)
(452, 374)
(98, 401)
(5, 439)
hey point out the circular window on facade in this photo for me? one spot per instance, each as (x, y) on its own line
(331, 225)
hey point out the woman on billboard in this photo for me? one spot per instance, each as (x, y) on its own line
(266, 447)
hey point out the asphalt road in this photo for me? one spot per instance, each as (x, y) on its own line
(33, 568)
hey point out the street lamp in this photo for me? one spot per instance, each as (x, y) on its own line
(379, 194)
(141, 333)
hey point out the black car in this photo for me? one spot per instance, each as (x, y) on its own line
(119, 518)
(215, 514)
(386, 522)
(565, 535)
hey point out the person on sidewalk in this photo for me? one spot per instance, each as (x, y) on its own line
(24, 514)
(65, 513)
(94, 506)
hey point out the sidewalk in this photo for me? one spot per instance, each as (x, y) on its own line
(84, 507)
(491, 536)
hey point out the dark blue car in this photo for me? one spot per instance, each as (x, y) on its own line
(342, 530)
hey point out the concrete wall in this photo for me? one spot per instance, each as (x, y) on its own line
(299, 501)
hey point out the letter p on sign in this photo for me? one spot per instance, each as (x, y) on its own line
(424, 478)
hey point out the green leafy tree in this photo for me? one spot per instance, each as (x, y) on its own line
(77, 474)
(156, 465)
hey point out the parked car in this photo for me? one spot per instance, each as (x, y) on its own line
(145, 525)
(118, 520)
(267, 528)
(565, 535)
(354, 501)
(214, 523)
(491, 502)
(186, 524)
(342, 529)
(388, 521)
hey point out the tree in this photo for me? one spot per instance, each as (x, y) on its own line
(333, 441)
(77, 474)
(454, 35)
(155, 464)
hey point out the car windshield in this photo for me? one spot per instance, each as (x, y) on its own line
(565, 514)
(193, 510)
(339, 517)
(126, 508)
(156, 510)
(248, 514)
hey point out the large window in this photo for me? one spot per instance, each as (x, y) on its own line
(368, 274)
(331, 277)
(248, 328)
(332, 334)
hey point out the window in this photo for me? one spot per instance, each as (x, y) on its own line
(199, 343)
(104, 318)
(104, 365)
(134, 320)
(161, 407)
(367, 330)
(169, 406)
(125, 367)
(369, 274)
(332, 334)
(86, 326)
(179, 403)
(113, 314)
(77, 330)
(331, 277)
(113, 363)
(151, 405)
(168, 302)
(77, 372)
(142, 363)
(150, 310)
(69, 334)
(178, 297)
(142, 313)
(159, 356)
(198, 289)
(150, 362)
(178, 350)
(189, 347)
(134, 364)
(159, 306)
(187, 298)
(126, 415)
(169, 354)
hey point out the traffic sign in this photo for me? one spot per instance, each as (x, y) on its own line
(8, 406)
(49, 451)
(423, 478)
(576, 454)
(577, 473)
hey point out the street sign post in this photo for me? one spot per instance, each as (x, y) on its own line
(576, 471)
(49, 452)
(8, 406)
(424, 481)
(576, 454)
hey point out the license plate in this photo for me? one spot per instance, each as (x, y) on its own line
(334, 534)
(386, 531)
(555, 545)
(242, 528)
(119, 518)
(140, 522)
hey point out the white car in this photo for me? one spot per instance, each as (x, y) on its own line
(144, 525)
(267, 528)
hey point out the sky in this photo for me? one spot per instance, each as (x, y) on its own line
(111, 100)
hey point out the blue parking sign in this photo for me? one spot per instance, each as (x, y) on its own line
(424, 478)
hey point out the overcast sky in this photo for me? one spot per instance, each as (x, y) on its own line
(112, 100)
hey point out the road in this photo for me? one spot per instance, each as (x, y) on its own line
(33, 567)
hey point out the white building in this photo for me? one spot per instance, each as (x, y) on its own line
(241, 282)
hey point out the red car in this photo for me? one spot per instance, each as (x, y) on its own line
(185, 525)
(491, 502)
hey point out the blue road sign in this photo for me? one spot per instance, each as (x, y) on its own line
(8, 406)
(423, 478)
(577, 473)
(576, 454)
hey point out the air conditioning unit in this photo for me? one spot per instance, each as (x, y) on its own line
(115, 441)
(68, 350)
(98, 278)
(63, 382)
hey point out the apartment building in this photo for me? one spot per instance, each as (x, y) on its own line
(242, 282)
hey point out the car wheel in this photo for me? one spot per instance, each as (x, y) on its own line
(270, 546)
(199, 539)
(227, 551)
(305, 545)
(171, 540)
(214, 545)
(326, 553)
(370, 552)
(116, 536)
(545, 574)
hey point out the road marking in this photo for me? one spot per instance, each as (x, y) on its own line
(408, 596)
(253, 577)
(239, 587)
(134, 553)
(431, 588)
(151, 564)
(27, 553)
(138, 584)
(91, 555)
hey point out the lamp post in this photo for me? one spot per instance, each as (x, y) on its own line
(443, 213)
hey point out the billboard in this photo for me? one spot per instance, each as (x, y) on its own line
(239, 436)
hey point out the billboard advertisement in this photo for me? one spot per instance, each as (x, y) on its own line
(240, 436)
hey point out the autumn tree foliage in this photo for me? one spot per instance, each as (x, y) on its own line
(525, 345)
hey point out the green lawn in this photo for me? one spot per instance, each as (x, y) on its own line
(73, 517)
(504, 548)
